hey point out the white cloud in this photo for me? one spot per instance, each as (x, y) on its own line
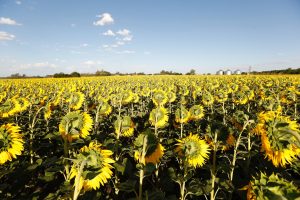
(8, 21)
(109, 33)
(105, 19)
(84, 45)
(128, 38)
(124, 32)
(120, 43)
(18, 2)
(105, 46)
(92, 62)
(6, 36)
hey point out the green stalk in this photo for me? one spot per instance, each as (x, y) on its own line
(77, 181)
(213, 170)
(182, 185)
(142, 161)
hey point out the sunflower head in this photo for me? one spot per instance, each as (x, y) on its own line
(104, 109)
(97, 169)
(75, 125)
(9, 108)
(271, 187)
(76, 100)
(207, 98)
(221, 95)
(159, 117)
(124, 126)
(11, 142)
(196, 112)
(154, 150)
(182, 115)
(193, 150)
(278, 137)
(171, 96)
(159, 97)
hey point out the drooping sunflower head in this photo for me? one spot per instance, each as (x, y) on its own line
(11, 142)
(97, 169)
(193, 150)
(153, 149)
(221, 95)
(182, 115)
(159, 97)
(76, 100)
(105, 109)
(24, 104)
(159, 117)
(171, 96)
(239, 97)
(127, 96)
(48, 110)
(9, 108)
(271, 187)
(75, 125)
(207, 98)
(124, 126)
(196, 112)
(278, 137)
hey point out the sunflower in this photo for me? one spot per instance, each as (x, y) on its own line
(76, 100)
(278, 140)
(182, 115)
(240, 97)
(98, 168)
(171, 96)
(159, 97)
(159, 117)
(196, 112)
(127, 97)
(193, 150)
(207, 98)
(221, 96)
(154, 150)
(9, 108)
(48, 110)
(271, 187)
(11, 142)
(75, 125)
(124, 126)
(24, 104)
(104, 108)
(2, 96)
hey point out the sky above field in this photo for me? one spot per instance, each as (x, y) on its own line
(39, 37)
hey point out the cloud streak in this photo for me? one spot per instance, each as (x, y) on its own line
(6, 36)
(8, 21)
(105, 19)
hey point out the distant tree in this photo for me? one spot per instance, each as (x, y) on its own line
(16, 75)
(191, 72)
(61, 75)
(75, 74)
(102, 73)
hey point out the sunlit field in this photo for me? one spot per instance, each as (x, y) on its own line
(150, 137)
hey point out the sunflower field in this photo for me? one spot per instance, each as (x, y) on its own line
(150, 137)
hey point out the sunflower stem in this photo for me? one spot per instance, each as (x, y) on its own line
(295, 110)
(224, 113)
(78, 186)
(181, 130)
(213, 170)
(182, 185)
(236, 146)
(142, 161)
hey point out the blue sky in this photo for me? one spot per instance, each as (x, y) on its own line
(39, 37)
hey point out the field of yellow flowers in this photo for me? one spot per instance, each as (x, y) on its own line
(150, 137)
